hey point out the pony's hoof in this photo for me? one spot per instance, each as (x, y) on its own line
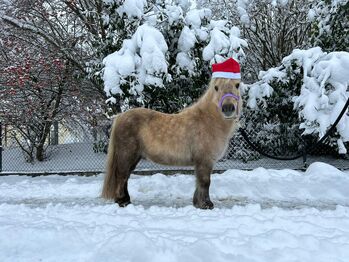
(204, 205)
(123, 202)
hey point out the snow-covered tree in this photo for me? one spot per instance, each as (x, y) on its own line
(165, 64)
(317, 89)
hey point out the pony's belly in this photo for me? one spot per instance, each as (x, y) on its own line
(169, 161)
(169, 157)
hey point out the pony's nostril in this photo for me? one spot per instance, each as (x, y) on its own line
(228, 108)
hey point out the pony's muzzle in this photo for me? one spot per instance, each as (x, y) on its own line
(227, 106)
(228, 110)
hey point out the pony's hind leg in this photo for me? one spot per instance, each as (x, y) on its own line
(122, 196)
(201, 197)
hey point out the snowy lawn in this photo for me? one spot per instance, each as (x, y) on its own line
(259, 215)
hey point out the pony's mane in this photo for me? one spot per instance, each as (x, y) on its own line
(208, 93)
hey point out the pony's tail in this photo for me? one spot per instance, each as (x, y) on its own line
(110, 179)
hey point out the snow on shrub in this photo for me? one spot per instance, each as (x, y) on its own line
(142, 56)
(323, 93)
(173, 42)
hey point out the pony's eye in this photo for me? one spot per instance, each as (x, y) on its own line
(216, 88)
(237, 85)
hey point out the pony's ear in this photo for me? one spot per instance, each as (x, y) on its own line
(216, 88)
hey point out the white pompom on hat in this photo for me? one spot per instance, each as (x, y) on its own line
(230, 68)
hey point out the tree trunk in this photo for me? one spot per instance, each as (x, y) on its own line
(40, 153)
(40, 148)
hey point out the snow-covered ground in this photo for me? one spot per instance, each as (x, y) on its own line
(259, 215)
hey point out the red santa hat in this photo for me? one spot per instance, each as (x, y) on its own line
(227, 69)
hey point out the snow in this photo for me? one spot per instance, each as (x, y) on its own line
(195, 16)
(185, 62)
(236, 43)
(258, 92)
(186, 40)
(143, 56)
(341, 147)
(260, 215)
(224, 43)
(241, 8)
(174, 14)
(185, 4)
(132, 8)
(311, 15)
(218, 44)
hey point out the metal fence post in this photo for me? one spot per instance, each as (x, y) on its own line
(305, 164)
(0, 146)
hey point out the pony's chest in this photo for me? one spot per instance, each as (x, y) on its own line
(220, 141)
(222, 147)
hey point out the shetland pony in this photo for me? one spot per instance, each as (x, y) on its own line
(197, 136)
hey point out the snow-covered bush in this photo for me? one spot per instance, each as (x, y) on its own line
(165, 63)
(323, 79)
(330, 25)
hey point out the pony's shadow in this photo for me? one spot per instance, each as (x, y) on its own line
(221, 203)
(180, 203)
(230, 202)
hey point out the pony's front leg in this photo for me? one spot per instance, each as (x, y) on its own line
(201, 197)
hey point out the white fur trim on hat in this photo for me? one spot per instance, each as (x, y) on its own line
(229, 75)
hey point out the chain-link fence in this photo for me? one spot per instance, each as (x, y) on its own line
(71, 153)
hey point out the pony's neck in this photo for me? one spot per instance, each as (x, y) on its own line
(204, 103)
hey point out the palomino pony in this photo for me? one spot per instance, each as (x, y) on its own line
(197, 136)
